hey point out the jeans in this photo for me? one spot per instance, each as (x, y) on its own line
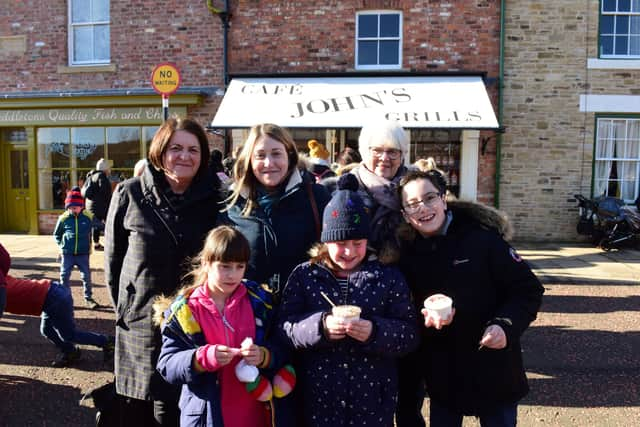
(58, 323)
(97, 225)
(501, 416)
(66, 266)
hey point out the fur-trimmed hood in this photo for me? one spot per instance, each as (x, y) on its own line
(486, 216)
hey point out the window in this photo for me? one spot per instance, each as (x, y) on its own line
(379, 40)
(89, 32)
(617, 159)
(620, 29)
(65, 155)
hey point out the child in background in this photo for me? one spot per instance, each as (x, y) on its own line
(51, 301)
(73, 236)
(347, 371)
(215, 335)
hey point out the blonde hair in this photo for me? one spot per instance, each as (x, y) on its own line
(245, 180)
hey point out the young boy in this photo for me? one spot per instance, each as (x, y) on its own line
(73, 236)
(53, 302)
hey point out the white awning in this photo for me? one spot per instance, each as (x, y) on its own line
(349, 102)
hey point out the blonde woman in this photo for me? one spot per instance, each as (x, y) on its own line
(276, 205)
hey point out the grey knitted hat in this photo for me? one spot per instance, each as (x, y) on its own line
(345, 217)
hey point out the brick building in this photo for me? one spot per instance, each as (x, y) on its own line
(571, 108)
(78, 85)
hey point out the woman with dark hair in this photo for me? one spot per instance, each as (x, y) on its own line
(156, 222)
(276, 207)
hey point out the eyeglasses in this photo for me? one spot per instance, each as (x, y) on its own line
(430, 199)
(393, 154)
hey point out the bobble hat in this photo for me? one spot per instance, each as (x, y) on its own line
(345, 217)
(74, 198)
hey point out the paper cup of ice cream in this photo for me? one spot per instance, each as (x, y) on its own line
(438, 306)
(346, 313)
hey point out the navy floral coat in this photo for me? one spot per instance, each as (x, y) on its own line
(347, 382)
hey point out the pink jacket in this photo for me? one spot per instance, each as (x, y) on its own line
(229, 328)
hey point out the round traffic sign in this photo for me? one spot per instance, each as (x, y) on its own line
(165, 78)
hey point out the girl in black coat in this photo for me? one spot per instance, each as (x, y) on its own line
(471, 361)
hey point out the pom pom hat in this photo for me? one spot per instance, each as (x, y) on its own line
(345, 217)
(102, 165)
(74, 198)
(317, 150)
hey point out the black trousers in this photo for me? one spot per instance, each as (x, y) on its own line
(411, 392)
(149, 413)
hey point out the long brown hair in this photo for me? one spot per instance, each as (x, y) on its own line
(245, 180)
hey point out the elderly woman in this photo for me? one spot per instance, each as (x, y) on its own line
(383, 147)
(275, 205)
(155, 223)
(471, 359)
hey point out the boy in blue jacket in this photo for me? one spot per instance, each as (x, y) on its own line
(73, 236)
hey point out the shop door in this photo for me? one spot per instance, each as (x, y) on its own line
(17, 179)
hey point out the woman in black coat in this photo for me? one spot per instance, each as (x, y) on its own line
(155, 223)
(471, 361)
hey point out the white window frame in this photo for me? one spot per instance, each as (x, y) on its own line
(399, 39)
(71, 39)
(635, 12)
(604, 157)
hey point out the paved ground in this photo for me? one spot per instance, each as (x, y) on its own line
(581, 354)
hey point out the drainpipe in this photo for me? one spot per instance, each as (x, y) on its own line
(225, 18)
(496, 200)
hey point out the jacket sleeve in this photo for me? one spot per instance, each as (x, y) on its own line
(116, 242)
(520, 291)
(57, 231)
(175, 362)
(396, 333)
(301, 328)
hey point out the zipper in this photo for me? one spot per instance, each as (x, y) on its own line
(75, 250)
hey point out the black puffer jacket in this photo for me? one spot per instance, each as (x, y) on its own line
(99, 195)
(489, 283)
(148, 243)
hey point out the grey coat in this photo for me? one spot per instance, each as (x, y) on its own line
(147, 245)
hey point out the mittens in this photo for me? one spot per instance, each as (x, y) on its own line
(260, 389)
(284, 381)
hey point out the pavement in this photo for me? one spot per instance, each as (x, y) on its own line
(552, 262)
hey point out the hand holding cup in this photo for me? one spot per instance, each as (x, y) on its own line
(438, 311)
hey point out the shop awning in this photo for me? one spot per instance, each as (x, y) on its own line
(349, 102)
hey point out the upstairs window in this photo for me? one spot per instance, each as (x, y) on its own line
(89, 32)
(379, 40)
(620, 29)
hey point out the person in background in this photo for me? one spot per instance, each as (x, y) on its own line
(471, 360)
(217, 342)
(319, 160)
(139, 167)
(73, 236)
(347, 156)
(347, 368)
(216, 168)
(156, 222)
(275, 206)
(383, 147)
(97, 193)
(52, 301)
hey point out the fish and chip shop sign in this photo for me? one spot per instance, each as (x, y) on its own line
(79, 116)
(347, 102)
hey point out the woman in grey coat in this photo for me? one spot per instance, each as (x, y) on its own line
(155, 223)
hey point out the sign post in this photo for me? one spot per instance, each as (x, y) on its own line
(165, 80)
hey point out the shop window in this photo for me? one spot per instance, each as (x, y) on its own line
(378, 40)
(66, 155)
(89, 32)
(617, 158)
(443, 147)
(620, 29)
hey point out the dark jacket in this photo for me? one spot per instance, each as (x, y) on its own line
(489, 284)
(200, 398)
(281, 240)
(97, 193)
(73, 233)
(347, 382)
(148, 243)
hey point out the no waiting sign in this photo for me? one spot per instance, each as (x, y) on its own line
(165, 78)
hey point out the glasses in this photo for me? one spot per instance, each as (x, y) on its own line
(428, 200)
(391, 153)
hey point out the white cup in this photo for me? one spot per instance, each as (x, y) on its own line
(438, 306)
(346, 313)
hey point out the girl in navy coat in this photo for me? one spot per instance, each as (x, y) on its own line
(347, 369)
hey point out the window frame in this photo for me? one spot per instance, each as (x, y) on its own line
(71, 38)
(596, 181)
(602, 13)
(378, 39)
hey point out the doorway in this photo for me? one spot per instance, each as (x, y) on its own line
(17, 184)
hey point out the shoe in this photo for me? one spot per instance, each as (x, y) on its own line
(98, 247)
(91, 303)
(65, 359)
(109, 348)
